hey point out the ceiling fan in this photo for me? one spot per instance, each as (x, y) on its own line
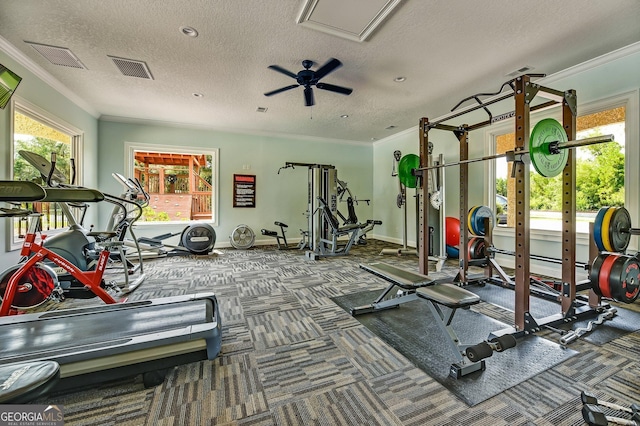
(308, 78)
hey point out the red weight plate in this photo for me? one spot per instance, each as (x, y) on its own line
(605, 274)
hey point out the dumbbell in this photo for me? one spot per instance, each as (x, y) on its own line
(594, 416)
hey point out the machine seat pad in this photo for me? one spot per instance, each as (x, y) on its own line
(449, 295)
(25, 381)
(20, 191)
(269, 233)
(284, 225)
(401, 277)
(71, 195)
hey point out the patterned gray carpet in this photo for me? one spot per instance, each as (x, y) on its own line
(292, 356)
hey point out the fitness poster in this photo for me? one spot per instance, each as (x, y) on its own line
(244, 191)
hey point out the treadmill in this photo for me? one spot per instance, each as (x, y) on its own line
(107, 342)
(104, 342)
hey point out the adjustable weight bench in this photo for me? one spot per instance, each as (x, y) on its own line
(407, 281)
(469, 358)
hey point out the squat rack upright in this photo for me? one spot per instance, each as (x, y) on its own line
(523, 90)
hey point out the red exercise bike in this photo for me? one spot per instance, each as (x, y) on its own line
(33, 282)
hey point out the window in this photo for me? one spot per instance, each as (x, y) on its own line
(38, 132)
(181, 182)
(600, 174)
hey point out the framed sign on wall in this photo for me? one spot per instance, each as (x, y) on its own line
(244, 190)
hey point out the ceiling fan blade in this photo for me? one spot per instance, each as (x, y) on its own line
(330, 66)
(334, 88)
(283, 71)
(282, 89)
(308, 96)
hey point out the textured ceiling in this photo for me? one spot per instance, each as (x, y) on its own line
(447, 50)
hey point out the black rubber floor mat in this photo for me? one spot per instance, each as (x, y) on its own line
(624, 322)
(411, 330)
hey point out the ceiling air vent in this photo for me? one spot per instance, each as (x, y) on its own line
(58, 55)
(132, 68)
(520, 71)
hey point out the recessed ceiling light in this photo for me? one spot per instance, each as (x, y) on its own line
(390, 127)
(198, 95)
(261, 109)
(374, 139)
(399, 79)
(344, 116)
(189, 31)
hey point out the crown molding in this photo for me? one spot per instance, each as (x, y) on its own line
(43, 75)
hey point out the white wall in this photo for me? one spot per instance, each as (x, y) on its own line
(279, 197)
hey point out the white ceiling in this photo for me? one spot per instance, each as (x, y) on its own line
(446, 49)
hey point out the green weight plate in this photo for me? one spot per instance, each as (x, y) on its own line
(619, 226)
(545, 163)
(405, 169)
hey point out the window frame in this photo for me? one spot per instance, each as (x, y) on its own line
(24, 107)
(630, 100)
(129, 152)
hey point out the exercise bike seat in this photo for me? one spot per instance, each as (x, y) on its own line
(269, 233)
(284, 225)
(22, 382)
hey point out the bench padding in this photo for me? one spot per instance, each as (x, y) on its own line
(398, 276)
(448, 295)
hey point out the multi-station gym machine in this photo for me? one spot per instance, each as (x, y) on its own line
(323, 229)
(549, 151)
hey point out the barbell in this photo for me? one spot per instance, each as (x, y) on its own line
(548, 152)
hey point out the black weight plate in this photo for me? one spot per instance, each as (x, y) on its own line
(624, 279)
(619, 226)
(594, 273)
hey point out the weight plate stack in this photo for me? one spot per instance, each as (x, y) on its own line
(475, 219)
(616, 276)
(611, 229)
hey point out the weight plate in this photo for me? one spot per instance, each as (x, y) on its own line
(624, 279)
(594, 273)
(475, 248)
(470, 219)
(606, 241)
(543, 133)
(605, 274)
(597, 228)
(479, 215)
(405, 170)
(619, 226)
